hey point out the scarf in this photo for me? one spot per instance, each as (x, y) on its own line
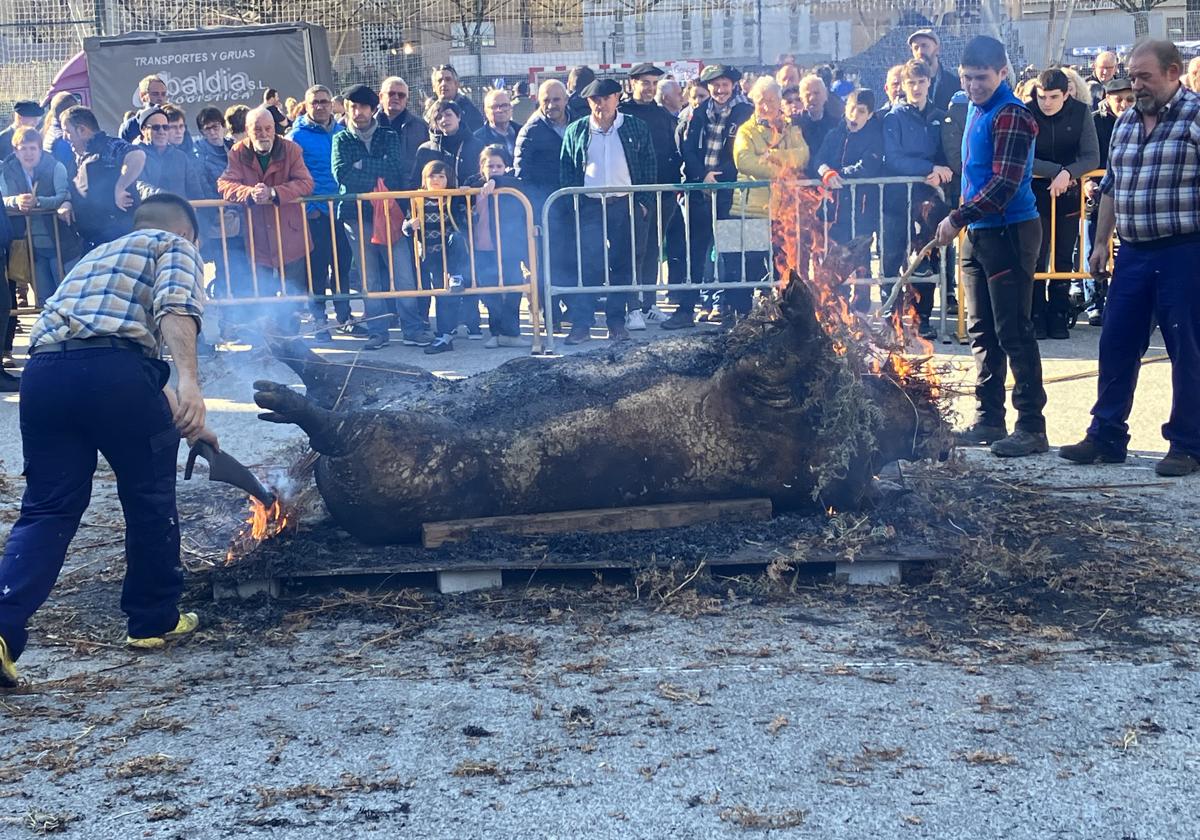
(364, 134)
(714, 137)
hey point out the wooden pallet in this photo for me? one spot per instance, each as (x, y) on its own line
(870, 568)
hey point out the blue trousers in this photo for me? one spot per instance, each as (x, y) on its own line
(74, 404)
(1160, 282)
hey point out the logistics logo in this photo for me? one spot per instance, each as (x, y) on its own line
(206, 85)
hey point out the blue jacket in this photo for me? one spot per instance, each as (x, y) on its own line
(317, 145)
(539, 146)
(854, 154)
(912, 140)
(978, 148)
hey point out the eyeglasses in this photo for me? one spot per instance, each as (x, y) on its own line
(157, 127)
(213, 127)
(393, 94)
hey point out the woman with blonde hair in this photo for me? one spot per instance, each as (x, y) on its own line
(1077, 88)
(767, 147)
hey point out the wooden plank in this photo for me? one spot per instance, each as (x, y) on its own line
(607, 520)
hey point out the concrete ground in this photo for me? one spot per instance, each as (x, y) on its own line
(596, 711)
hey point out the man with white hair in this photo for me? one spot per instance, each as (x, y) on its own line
(1104, 68)
(395, 114)
(266, 173)
(816, 120)
(669, 95)
(499, 129)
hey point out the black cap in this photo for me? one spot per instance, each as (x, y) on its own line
(720, 71)
(28, 108)
(148, 112)
(1117, 84)
(600, 87)
(361, 95)
(646, 69)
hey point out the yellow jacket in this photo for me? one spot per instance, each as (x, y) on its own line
(761, 153)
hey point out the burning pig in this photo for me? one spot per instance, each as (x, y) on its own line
(770, 409)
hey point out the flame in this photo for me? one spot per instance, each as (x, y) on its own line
(805, 250)
(262, 523)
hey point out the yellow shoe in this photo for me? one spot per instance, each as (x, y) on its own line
(188, 622)
(9, 678)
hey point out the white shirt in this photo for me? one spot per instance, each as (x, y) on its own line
(606, 164)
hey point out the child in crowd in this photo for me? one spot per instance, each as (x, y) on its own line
(500, 242)
(437, 226)
(853, 150)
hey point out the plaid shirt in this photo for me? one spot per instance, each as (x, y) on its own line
(1155, 181)
(123, 288)
(714, 136)
(1013, 135)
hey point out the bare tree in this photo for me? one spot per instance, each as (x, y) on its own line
(1140, 9)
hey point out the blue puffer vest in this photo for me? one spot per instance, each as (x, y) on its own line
(977, 150)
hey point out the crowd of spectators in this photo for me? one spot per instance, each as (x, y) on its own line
(650, 128)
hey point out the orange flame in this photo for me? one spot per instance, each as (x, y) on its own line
(805, 248)
(262, 523)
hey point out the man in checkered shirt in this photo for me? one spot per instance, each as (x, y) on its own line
(95, 383)
(1151, 197)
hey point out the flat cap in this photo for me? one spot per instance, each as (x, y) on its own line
(28, 108)
(720, 71)
(601, 87)
(1117, 84)
(146, 113)
(925, 33)
(361, 95)
(646, 69)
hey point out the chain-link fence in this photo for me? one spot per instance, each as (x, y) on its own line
(489, 40)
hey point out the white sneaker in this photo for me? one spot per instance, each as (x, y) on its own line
(654, 316)
(513, 341)
(492, 343)
(635, 321)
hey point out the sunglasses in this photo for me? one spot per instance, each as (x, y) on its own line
(397, 95)
(157, 127)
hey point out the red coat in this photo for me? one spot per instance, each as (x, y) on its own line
(290, 177)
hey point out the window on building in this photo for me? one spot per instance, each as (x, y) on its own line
(685, 32)
(794, 23)
(706, 34)
(749, 26)
(727, 30)
(1175, 28)
(618, 34)
(1192, 22)
(639, 33)
(814, 33)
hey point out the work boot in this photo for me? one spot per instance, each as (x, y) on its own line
(578, 335)
(619, 333)
(9, 678)
(980, 434)
(1091, 451)
(680, 319)
(1021, 443)
(1176, 464)
(188, 622)
(1056, 326)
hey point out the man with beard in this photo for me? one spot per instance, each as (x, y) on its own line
(927, 46)
(1150, 196)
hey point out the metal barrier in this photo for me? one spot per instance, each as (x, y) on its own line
(278, 289)
(58, 264)
(748, 230)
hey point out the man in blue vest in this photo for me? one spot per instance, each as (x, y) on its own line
(1003, 238)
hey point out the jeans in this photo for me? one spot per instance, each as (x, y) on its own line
(74, 404)
(449, 307)
(594, 252)
(46, 275)
(1160, 282)
(504, 311)
(376, 277)
(329, 239)
(998, 280)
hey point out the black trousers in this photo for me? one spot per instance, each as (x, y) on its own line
(594, 250)
(327, 240)
(998, 268)
(1052, 298)
(649, 247)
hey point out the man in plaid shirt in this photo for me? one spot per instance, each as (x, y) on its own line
(1004, 234)
(94, 382)
(1151, 197)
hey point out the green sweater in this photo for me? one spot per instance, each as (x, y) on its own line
(635, 138)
